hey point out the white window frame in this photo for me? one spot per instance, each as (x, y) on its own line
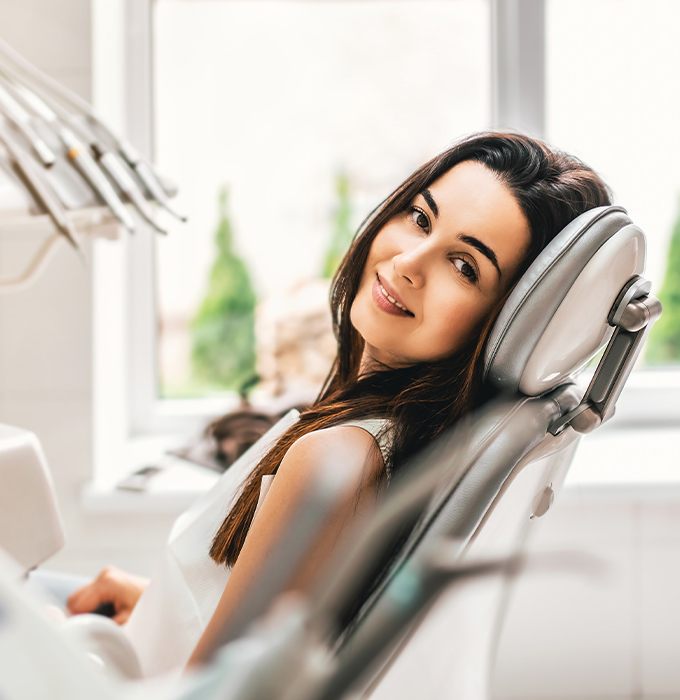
(518, 100)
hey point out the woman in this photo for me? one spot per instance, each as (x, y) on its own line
(412, 304)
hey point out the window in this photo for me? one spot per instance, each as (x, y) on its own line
(610, 66)
(285, 123)
(306, 148)
(609, 100)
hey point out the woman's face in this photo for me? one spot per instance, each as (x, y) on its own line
(446, 260)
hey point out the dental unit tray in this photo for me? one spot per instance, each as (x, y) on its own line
(67, 159)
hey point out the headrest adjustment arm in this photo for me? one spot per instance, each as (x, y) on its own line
(632, 314)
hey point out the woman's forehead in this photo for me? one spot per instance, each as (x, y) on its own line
(472, 199)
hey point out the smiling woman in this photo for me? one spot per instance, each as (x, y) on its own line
(412, 304)
(443, 262)
(431, 246)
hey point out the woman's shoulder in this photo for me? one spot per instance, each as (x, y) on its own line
(350, 435)
(338, 444)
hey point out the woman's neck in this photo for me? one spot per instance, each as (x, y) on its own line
(369, 363)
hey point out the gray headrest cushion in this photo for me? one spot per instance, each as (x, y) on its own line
(525, 350)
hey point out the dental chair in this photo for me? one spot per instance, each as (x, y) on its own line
(582, 293)
(478, 494)
(482, 490)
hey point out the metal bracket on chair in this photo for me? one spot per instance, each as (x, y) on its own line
(632, 314)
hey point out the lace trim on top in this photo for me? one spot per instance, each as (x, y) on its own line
(381, 429)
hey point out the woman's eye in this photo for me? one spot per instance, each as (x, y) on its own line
(465, 269)
(419, 218)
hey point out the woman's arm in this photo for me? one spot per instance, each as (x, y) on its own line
(341, 447)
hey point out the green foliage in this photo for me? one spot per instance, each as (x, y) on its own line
(223, 330)
(342, 232)
(664, 340)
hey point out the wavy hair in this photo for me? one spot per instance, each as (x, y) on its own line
(426, 399)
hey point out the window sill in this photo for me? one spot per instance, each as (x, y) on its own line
(622, 459)
(170, 491)
(611, 464)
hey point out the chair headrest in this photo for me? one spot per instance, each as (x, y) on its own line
(555, 319)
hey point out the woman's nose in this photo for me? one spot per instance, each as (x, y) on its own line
(409, 266)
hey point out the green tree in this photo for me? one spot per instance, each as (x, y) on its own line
(342, 233)
(223, 330)
(664, 340)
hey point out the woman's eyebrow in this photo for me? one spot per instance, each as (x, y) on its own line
(430, 202)
(482, 248)
(470, 240)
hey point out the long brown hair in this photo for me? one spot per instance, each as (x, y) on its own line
(423, 400)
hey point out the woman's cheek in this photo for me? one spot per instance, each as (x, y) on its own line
(452, 324)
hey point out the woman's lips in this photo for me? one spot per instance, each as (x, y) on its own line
(382, 302)
(391, 293)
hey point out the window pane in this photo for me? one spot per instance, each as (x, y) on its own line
(612, 100)
(304, 116)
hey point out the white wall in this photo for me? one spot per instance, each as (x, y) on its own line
(45, 331)
(611, 636)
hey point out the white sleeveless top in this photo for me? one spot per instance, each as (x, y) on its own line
(187, 584)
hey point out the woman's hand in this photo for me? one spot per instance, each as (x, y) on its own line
(113, 586)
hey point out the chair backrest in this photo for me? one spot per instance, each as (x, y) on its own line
(563, 311)
(479, 489)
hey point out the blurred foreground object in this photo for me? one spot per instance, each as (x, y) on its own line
(226, 438)
(31, 530)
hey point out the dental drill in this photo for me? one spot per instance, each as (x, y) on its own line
(110, 162)
(14, 63)
(21, 121)
(39, 189)
(78, 155)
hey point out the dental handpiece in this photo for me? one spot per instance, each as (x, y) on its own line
(22, 121)
(111, 164)
(10, 59)
(116, 167)
(33, 179)
(144, 171)
(78, 154)
(148, 177)
(83, 161)
(106, 158)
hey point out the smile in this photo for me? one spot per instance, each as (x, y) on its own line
(385, 301)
